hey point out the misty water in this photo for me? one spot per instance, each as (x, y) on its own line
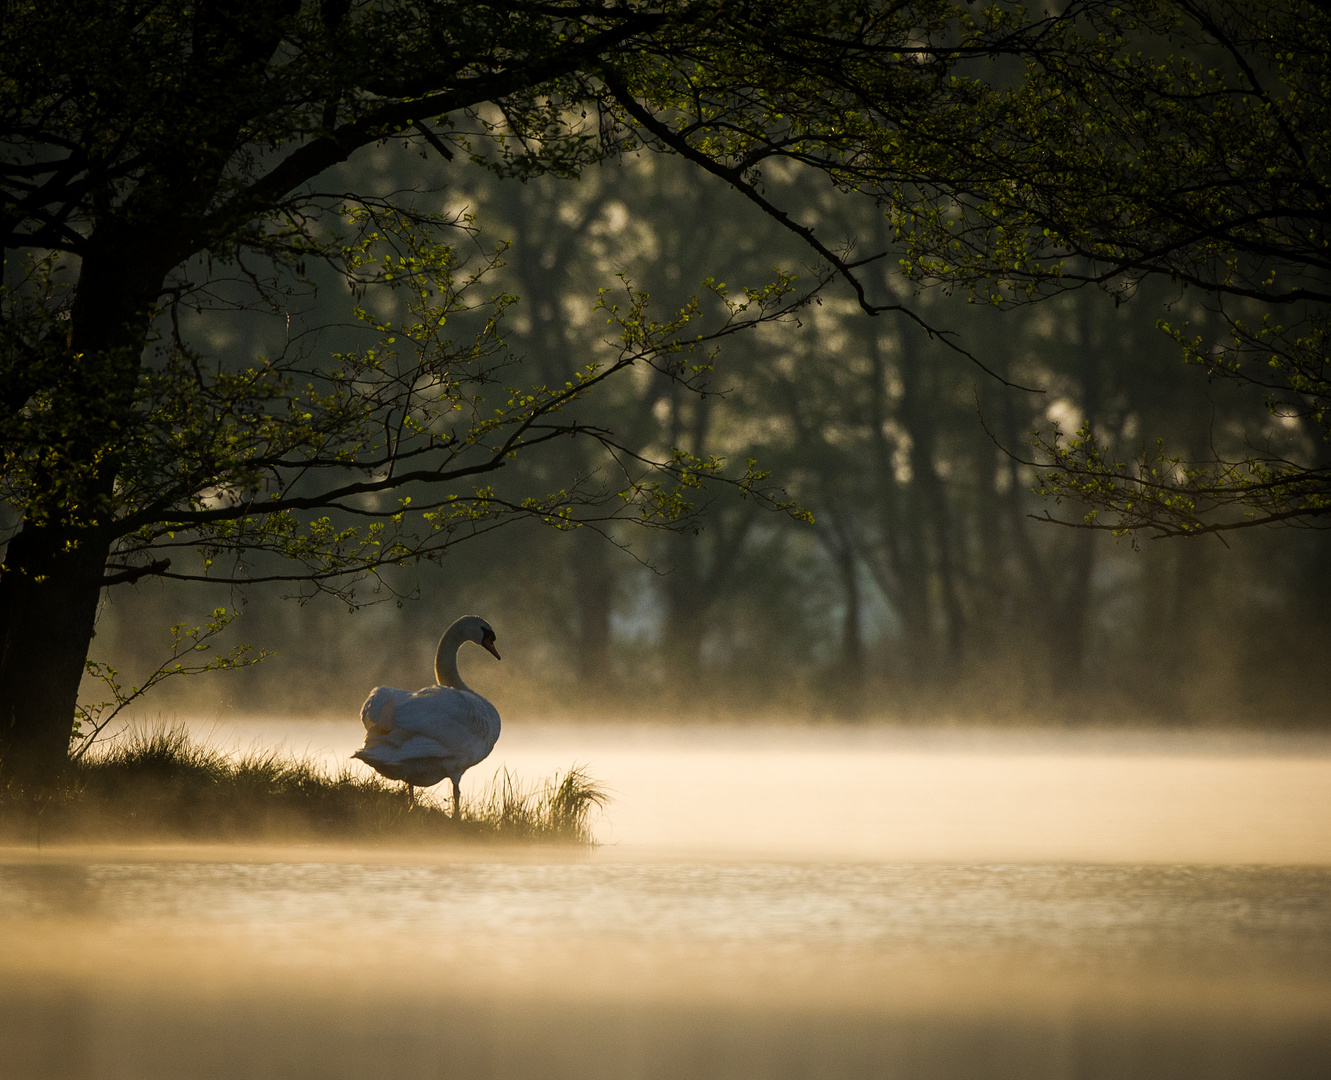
(814, 901)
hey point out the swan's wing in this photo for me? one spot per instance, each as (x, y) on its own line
(438, 711)
(462, 724)
(422, 746)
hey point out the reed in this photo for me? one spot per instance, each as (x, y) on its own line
(159, 784)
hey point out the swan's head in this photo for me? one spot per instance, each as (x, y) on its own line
(474, 628)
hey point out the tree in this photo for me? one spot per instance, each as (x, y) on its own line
(161, 160)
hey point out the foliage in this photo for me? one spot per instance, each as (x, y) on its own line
(91, 719)
(924, 550)
(121, 133)
(1203, 159)
(925, 584)
(1179, 140)
(312, 461)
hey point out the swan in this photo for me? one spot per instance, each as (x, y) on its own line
(440, 731)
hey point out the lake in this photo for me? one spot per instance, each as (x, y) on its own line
(764, 902)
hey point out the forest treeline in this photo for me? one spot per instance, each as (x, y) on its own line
(924, 583)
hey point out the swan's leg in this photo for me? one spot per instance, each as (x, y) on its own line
(457, 801)
(411, 794)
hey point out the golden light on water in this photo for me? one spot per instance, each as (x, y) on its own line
(764, 903)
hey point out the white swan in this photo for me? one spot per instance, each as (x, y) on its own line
(441, 731)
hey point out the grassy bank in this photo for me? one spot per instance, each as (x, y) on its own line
(160, 785)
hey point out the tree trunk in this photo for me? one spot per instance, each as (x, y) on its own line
(48, 605)
(51, 579)
(595, 587)
(686, 607)
(1068, 629)
(928, 528)
(845, 676)
(849, 676)
(852, 622)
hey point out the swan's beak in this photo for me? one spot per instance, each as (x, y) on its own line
(489, 643)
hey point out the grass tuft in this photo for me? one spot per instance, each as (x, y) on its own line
(160, 784)
(559, 808)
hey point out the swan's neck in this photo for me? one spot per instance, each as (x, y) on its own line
(446, 659)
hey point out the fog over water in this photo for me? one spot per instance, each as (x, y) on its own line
(889, 794)
(798, 901)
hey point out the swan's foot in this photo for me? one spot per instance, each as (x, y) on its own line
(457, 801)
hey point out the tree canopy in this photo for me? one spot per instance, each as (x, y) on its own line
(1024, 153)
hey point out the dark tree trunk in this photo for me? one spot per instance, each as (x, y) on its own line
(697, 574)
(595, 595)
(949, 587)
(845, 678)
(992, 555)
(929, 527)
(852, 623)
(1068, 628)
(850, 671)
(701, 570)
(53, 569)
(895, 566)
(686, 605)
(48, 604)
(51, 579)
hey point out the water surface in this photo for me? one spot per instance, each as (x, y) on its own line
(801, 903)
